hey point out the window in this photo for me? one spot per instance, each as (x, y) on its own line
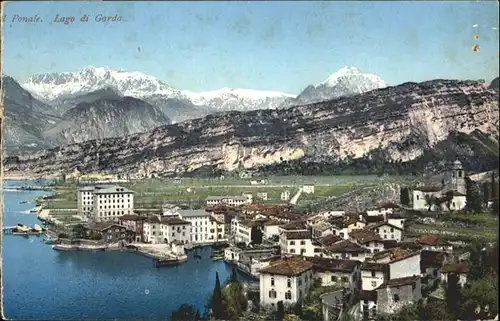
(302, 242)
(289, 283)
(354, 254)
(334, 278)
(376, 250)
(392, 229)
(460, 174)
(272, 281)
(292, 250)
(345, 279)
(302, 251)
(288, 295)
(292, 242)
(374, 283)
(396, 298)
(373, 274)
(272, 294)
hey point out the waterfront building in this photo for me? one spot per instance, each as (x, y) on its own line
(216, 229)
(242, 230)
(135, 223)
(104, 202)
(112, 232)
(200, 222)
(288, 280)
(174, 229)
(285, 195)
(152, 230)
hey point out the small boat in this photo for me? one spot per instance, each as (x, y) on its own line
(158, 263)
(217, 258)
(23, 202)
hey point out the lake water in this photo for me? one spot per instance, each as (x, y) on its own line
(43, 284)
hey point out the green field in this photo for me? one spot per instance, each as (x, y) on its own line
(480, 226)
(152, 193)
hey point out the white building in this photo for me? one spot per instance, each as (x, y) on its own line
(336, 272)
(396, 220)
(242, 230)
(175, 229)
(104, 202)
(395, 293)
(228, 200)
(459, 269)
(387, 272)
(262, 196)
(329, 214)
(346, 250)
(296, 242)
(321, 229)
(285, 195)
(373, 275)
(387, 231)
(402, 262)
(451, 195)
(200, 223)
(152, 230)
(216, 230)
(288, 280)
(368, 239)
(308, 189)
(271, 229)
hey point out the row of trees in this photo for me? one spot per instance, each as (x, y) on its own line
(478, 299)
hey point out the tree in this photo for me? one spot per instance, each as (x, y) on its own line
(452, 295)
(478, 261)
(185, 312)
(480, 299)
(297, 309)
(280, 314)
(234, 300)
(79, 231)
(216, 303)
(472, 196)
(234, 276)
(404, 196)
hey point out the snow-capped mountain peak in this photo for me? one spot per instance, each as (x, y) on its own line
(55, 86)
(352, 73)
(346, 81)
(51, 86)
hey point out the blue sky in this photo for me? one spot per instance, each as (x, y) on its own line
(280, 46)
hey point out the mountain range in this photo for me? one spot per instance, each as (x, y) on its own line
(425, 123)
(98, 103)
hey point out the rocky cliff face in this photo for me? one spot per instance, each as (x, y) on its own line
(25, 118)
(398, 124)
(495, 84)
(104, 118)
